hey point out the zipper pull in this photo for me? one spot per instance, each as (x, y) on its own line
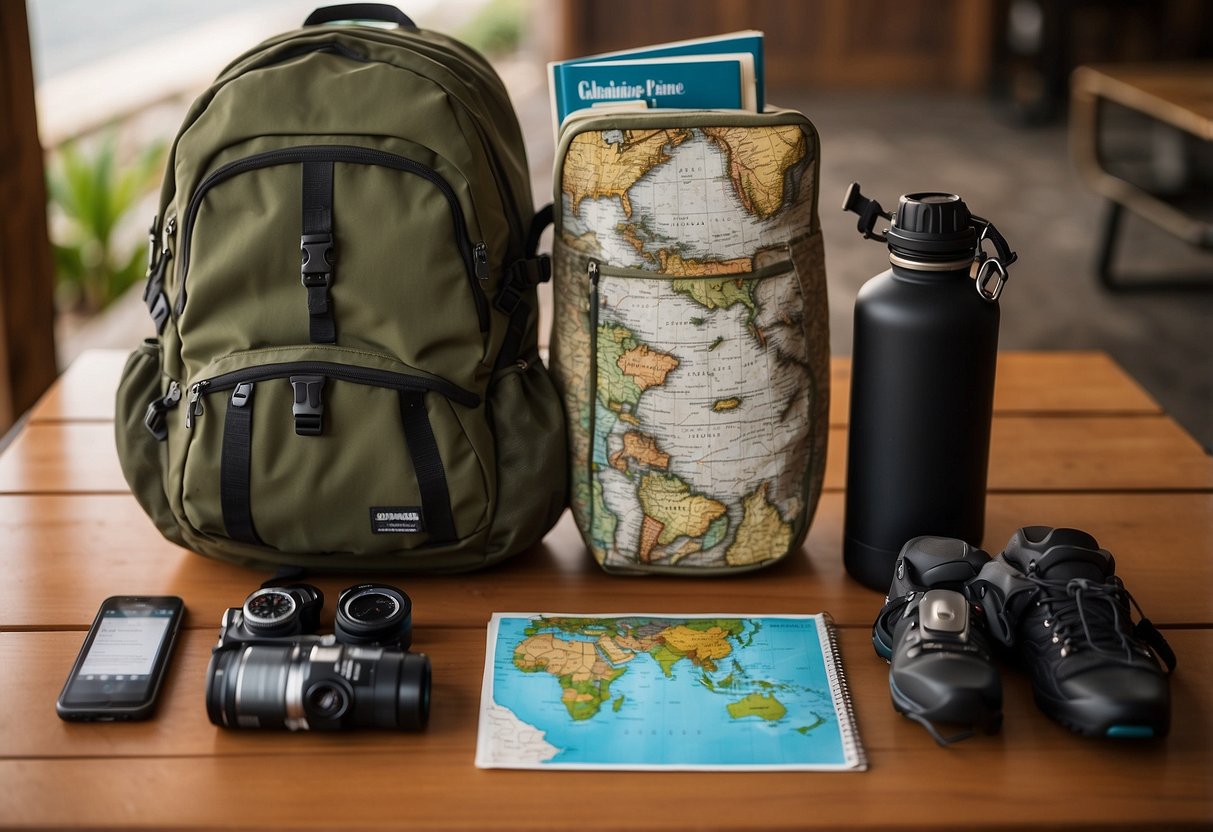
(592, 270)
(195, 406)
(173, 397)
(170, 228)
(480, 258)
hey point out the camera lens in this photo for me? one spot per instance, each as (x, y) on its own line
(311, 683)
(373, 607)
(374, 614)
(326, 700)
(270, 611)
(413, 692)
(246, 687)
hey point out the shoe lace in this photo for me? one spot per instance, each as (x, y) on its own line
(1100, 611)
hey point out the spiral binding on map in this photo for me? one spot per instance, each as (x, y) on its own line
(842, 696)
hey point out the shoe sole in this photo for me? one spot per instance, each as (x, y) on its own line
(1096, 719)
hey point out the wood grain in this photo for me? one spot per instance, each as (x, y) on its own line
(67, 457)
(63, 555)
(141, 774)
(1075, 443)
(1036, 382)
(85, 392)
(1042, 453)
(1076, 453)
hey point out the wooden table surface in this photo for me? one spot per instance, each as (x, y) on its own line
(1075, 442)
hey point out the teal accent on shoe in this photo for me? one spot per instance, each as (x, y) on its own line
(1129, 732)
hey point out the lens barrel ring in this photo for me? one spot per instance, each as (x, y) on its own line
(374, 614)
(283, 610)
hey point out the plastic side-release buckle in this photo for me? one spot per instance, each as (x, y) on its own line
(308, 406)
(153, 292)
(154, 418)
(317, 266)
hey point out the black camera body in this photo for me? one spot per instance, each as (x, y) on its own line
(270, 669)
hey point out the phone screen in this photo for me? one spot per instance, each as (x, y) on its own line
(118, 665)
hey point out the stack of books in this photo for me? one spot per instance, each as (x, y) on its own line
(724, 72)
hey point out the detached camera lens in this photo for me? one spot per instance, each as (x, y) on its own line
(374, 614)
(373, 607)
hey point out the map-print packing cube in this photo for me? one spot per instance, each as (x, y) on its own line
(691, 336)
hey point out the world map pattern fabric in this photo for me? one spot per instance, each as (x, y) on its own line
(694, 362)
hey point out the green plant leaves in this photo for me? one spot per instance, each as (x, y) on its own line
(92, 193)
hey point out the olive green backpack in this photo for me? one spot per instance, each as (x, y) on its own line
(342, 280)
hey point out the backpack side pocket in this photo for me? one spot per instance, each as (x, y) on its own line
(528, 423)
(143, 456)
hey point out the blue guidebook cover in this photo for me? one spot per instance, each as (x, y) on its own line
(690, 82)
(749, 42)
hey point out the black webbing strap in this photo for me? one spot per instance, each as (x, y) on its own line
(427, 464)
(155, 298)
(522, 276)
(520, 280)
(539, 223)
(235, 466)
(316, 249)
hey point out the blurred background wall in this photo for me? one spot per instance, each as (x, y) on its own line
(970, 96)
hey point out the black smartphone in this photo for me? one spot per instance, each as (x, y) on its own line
(121, 665)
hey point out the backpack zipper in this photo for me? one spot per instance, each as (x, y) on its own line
(358, 375)
(354, 155)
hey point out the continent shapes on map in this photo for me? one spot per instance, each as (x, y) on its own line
(585, 678)
(585, 668)
(671, 262)
(627, 367)
(762, 705)
(703, 647)
(603, 523)
(672, 510)
(601, 164)
(758, 162)
(630, 233)
(642, 449)
(763, 533)
(715, 294)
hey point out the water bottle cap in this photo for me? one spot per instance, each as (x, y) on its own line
(933, 228)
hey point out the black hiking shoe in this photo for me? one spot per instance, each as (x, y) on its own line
(941, 669)
(1054, 595)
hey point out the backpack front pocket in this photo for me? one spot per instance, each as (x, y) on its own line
(336, 240)
(701, 415)
(298, 450)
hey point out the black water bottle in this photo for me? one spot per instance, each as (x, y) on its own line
(922, 381)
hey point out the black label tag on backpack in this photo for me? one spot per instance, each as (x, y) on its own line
(396, 520)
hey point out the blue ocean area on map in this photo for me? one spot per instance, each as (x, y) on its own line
(685, 718)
